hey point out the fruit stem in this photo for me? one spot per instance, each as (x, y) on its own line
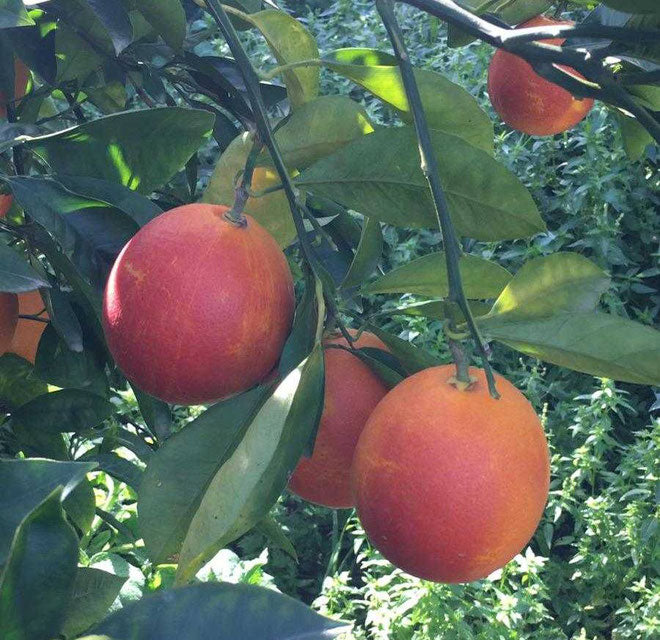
(429, 165)
(243, 187)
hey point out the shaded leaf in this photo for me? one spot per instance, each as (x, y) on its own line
(16, 274)
(18, 381)
(379, 175)
(367, 255)
(34, 593)
(115, 19)
(220, 611)
(14, 14)
(427, 276)
(411, 357)
(167, 17)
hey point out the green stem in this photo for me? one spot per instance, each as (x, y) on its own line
(429, 166)
(276, 71)
(242, 191)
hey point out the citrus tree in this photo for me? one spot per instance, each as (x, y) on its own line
(125, 278)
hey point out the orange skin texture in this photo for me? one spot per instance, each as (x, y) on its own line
(526, 101)
(450, 485)
(352, 391)
(21, 75)
(196, 308)
(28, 332)
(8, 319)
(5, 204)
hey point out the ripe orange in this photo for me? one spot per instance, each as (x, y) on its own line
(526, 101)
(21, 75)
(450, 485)
(28, 332)
(197, 308)
(8, 319)
(5, 204)
(352, 391)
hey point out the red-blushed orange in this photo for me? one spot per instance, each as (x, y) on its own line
(197, 308)
(450, 484)
(352, 391)
(5, 204)
(21, 75)
(526, 101)
(28, 332)
(8, 319)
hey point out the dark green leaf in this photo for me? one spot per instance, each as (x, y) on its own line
(432, 309)
(448, 106)
(219, 611)
(276, 535)
(64, 319)
(595, 343)
(156, 413)
(16, 274)
(18, 382)
(25, 484)
(68, 410)
(173, 485)
(115, 19)
(80, 505)
(39, 574)
(379, 175)
(634, 6)
(117, 467)
(411, 357)
(367, 256)
(14, 14)
(93, 593)
(139, 149)
(427, 276)
(247, 485)
(167, 17)
(383, 364)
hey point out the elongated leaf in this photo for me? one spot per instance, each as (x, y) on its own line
(64, 319)
(367, 256)
(427, 276)
(432, 309)
(155, 412)
(411, 357)
(383, 364)
(93, 593)
(290, 42)
(139, 149)
(115, 19)
(379, 175)
(141, 209)
(250, 481)
(64, 411)
(18, 382)
(448, 106)
(16, 274)
(276, 536)
(173, 485)
(219, 611)
(80, 504)
(271, 211)
(117, 467)
(319, 128)
(634, 6)
(167, 17)
(550, 284)
(594, 343)
(13, 14)
(24, 484)
(38, 577)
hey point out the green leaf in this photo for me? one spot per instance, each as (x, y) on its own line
(220, 611)
(16, 274)
(432, 309)
(271, 211)
(367, 256)
(18, 382)
(141, 209)
(276, 536)
(64, 319)
(39, 574)
(319, 128)
(250, 481)
(14, 14)
(139, 149)
(548, 285)
(167, 17)
(595, 343)
(379, 175)
(68, 410)
(383, 364)
(411, 357)
(115, 19)
(448, 106)
(155, 413)
(173, 486)
(427, 276)
(93, 593)
(25, 484)
(290, 42)
(117, 467)
(80, 505)
(635, 137)
(634, 6)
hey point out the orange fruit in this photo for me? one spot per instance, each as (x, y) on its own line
(526, 101)
(5, 204)
(352, 391)
(197, 308)
(8, 319)
(21, 75)
(28, 332)
(449, 484)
